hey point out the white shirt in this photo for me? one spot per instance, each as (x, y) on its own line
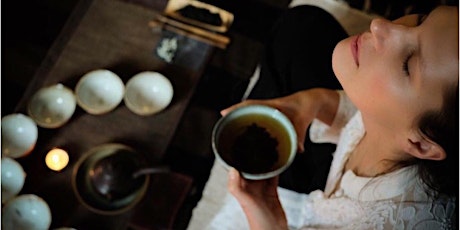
(392, 201)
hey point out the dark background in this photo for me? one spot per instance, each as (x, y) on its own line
(30, 27)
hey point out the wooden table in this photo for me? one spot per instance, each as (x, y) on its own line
(114, 35)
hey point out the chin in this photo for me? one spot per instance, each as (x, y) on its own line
(343, 63)
(338, 61)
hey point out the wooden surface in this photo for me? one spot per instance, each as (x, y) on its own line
(112, 35)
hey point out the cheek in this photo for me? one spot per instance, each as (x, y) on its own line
(367, 86)
(368, 91)
(375, 86)
(381, 99)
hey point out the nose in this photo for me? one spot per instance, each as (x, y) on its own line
(380, 29)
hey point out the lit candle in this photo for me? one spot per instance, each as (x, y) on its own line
(57, 159)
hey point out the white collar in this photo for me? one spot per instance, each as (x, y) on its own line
(378, 188)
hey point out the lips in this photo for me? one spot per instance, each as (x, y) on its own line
(355, 49)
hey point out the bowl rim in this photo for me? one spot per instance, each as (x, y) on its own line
(258, 109)
(164, 95)
(66, 111)
(105, 76)
(138, 196)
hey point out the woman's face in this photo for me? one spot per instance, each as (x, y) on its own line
(400, 69)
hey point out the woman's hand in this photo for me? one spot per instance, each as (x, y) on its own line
(301, 108)
(259, 200)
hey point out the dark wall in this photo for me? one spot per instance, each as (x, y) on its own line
(28, 30)
(393, 9)
(30, 27)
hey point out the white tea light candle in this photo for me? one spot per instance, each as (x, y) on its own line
(57, 159)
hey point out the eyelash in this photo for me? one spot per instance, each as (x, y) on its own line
(406, 65)
(420, 19)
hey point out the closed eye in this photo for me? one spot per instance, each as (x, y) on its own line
(420, 19)
(406, 65)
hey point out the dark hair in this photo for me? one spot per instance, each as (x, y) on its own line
(442, 128)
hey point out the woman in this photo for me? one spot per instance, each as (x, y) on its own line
(395, 125)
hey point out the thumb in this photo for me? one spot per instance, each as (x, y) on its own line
(241, 104)
(234, 182)
(229, 109)
(301, 134)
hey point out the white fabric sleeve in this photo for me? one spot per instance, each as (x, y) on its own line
(322, 133)
(217, 208)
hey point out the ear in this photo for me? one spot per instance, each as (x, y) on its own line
(422, 147)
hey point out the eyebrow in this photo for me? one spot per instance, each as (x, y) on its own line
(421, 18)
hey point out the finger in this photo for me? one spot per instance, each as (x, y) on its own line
(237, 187)
(300, 147)
(229, 109)
(271, 187)
(243, 103)
(234, 182)
(233, 107)
(301, 133)
(273, 182)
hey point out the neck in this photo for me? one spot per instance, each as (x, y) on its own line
(375, 154)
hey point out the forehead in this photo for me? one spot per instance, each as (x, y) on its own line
(444, 18)
(438, 39)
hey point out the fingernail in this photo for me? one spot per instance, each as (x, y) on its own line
(232, 174)
(300, 147)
